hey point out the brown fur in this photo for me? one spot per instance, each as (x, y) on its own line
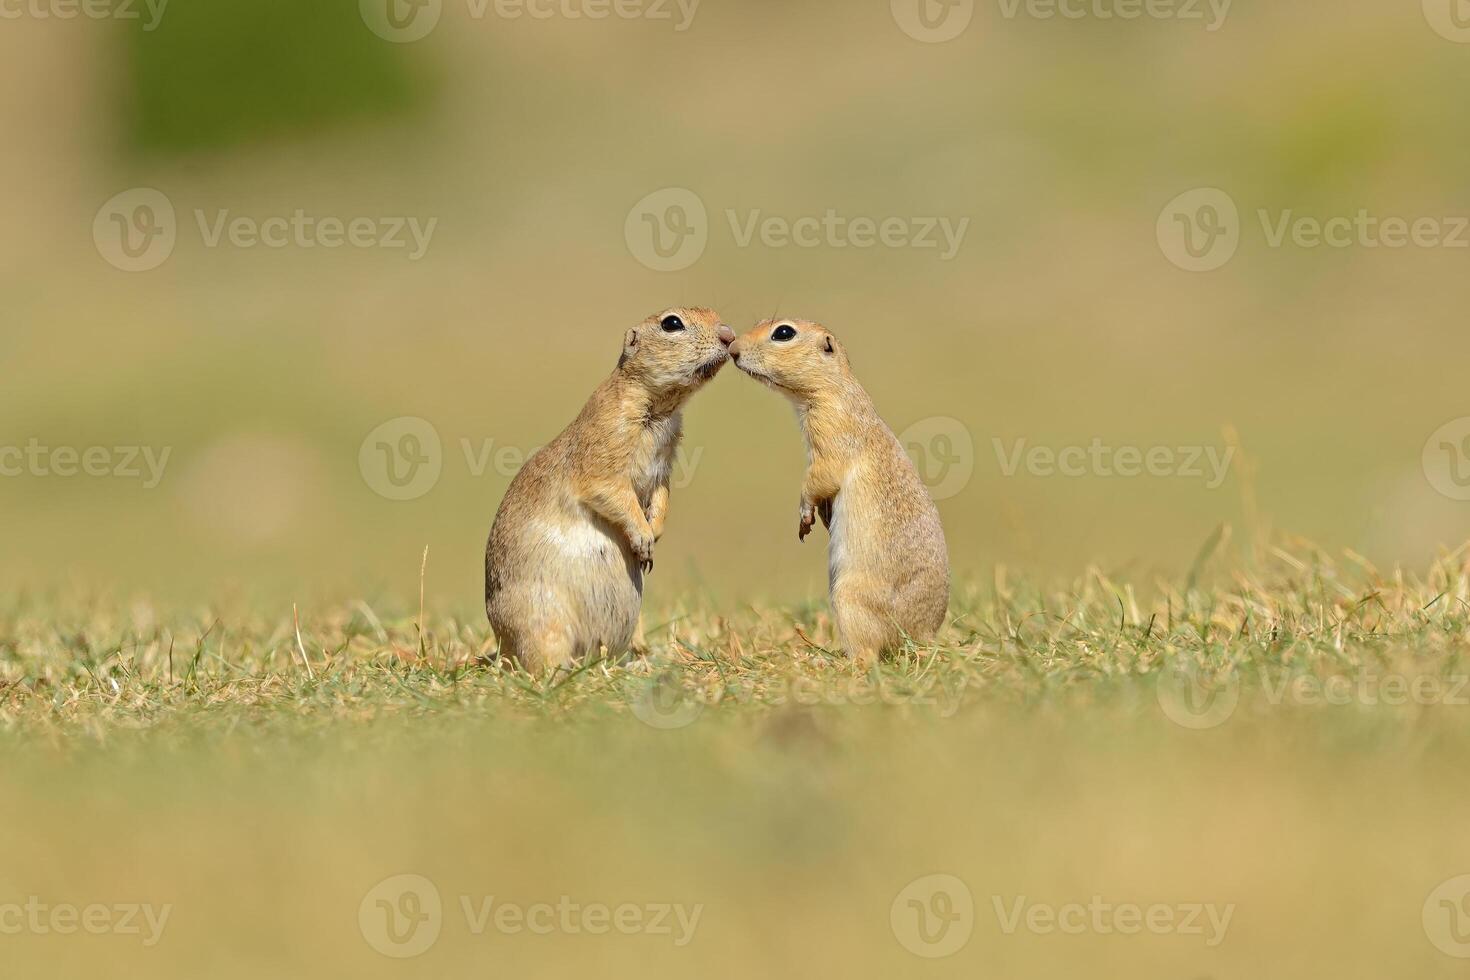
(888, 567)
(574, 535)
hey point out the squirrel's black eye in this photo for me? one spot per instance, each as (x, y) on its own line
(784, 332)
(672, 324)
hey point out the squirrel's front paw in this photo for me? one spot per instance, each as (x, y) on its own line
(808, 518)
(643, 551)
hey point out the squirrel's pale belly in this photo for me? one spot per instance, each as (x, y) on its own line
(580, 540)
(853, 547)
(837, 551)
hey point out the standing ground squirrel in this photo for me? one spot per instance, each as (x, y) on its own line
(574, 535)
(888, 568)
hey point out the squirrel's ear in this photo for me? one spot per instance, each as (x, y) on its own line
(830, 344)
(630, 342)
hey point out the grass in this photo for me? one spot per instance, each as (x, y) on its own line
(1251, 740)
(1303, 617)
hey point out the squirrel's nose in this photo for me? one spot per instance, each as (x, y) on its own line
(726, 335)
(735, 350)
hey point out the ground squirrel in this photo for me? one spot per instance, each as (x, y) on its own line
(888, 568)
(574, 535)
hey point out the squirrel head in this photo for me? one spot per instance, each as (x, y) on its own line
(798, 358)
(674, 352)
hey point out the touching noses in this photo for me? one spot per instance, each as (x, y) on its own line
(726, 335)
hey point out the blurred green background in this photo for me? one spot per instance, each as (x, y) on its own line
(529, 141)
(278, 379)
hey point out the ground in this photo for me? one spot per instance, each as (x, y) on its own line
(1252, 772)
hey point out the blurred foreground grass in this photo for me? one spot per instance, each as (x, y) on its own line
(1286, 745)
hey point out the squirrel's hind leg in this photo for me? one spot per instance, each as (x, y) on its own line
(863, 622)
(639, 643)
(543, 652)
